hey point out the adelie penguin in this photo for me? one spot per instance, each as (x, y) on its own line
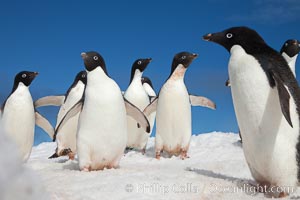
(136, 94)
(102, 125)
(290, 51)
(66, 137)
(266, 100)
(173, 110)
(19, 115)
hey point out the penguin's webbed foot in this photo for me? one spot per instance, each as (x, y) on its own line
(71, 155)
(157, 154)
(183, 154)
(86, 169)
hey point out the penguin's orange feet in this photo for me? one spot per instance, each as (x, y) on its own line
(183, 154)
(71, 155)
(157, 155)
(86, 169)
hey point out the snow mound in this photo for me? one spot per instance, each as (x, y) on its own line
(216, 169)
(16, 182)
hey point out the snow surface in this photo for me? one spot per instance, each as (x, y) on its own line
(16, 181)
(216, 169)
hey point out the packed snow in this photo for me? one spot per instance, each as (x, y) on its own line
(216, 169)
(17, 181)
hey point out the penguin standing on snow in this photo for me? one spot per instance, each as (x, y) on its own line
(290, 51)
(66, 137)
(19, 115)
(173, 110)
(136, 94)
(102, 126)
(266, 100)
(148, 87)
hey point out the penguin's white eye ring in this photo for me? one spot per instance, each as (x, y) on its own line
(83, 76)
(24, 75)
(95, 57)
(139, 62)
(183, 57)
(298, 45)
(286, 44)
(229, 35)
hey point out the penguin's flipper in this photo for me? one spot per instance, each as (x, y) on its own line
(137, 115)
(151, 107)
(202, 101)
(44, 124)
(284, 98)
(227, 83)
(49, 101)
(71, 113)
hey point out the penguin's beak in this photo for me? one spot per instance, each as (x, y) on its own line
(83, 55)
(207, 37)
(194, 55)
(34, 74)
(149, 60)
(214, 37)
(295, 42)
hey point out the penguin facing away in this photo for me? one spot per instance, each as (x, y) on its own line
(173, 110)
(102, 125)
(148, 87)
(290, 51)
(136, 94)
(66, 137)
(266, 100)
(19, 115)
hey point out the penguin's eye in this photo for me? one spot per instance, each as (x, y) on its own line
(95, 57)
(83, 76)
(298, 45)
(286, 44)
(183, 57)
(139, 62)
(24, 75)
(229, 35)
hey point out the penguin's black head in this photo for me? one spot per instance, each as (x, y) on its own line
(243, 36)
(291, 48)
(25, 77)
(147, 80)
(139, 64)
(81, 76)
(92, 60)
(183, 58)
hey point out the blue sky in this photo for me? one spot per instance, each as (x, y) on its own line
(48, 37)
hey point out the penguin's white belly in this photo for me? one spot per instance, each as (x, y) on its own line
(269, 142)
(66, 137)
(19, 120)
(173, 117)
(137, 137)
(102, 128)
